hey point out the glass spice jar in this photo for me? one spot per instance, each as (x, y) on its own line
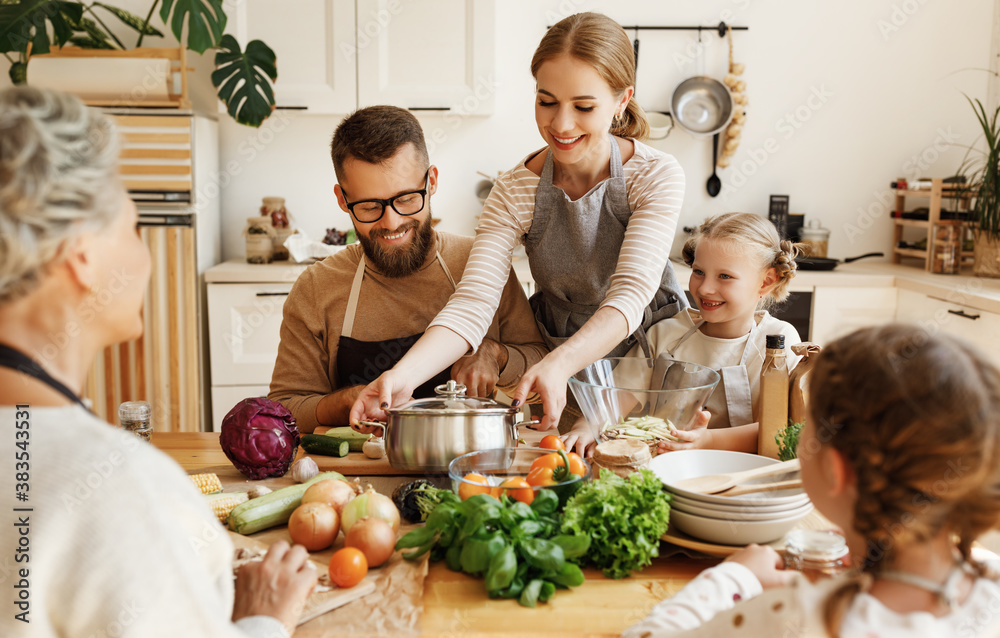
(816, 553)
(947, 255)
(136, 417)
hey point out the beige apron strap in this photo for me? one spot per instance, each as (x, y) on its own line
(352, 300)
(736, 381)
(447, 272)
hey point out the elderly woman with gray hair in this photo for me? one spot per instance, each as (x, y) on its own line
(115, 539)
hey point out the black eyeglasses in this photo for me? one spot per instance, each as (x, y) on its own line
(369, 211)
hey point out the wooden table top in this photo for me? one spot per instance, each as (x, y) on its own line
(456, 604)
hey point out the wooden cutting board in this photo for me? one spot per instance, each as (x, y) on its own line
(319, 602)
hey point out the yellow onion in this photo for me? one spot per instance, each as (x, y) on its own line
(370, 504)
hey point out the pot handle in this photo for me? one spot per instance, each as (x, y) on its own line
(374, 424)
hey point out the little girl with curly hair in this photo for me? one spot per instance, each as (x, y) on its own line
(739, 268)
(902, 452)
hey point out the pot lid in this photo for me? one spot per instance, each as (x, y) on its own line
(451, 399)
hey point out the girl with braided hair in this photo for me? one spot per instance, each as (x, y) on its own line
(740, 267)
(902, 452)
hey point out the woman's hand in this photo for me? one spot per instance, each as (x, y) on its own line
(277, 586)
(582, 437)
(548, 380)
(765, 563)
(391, 388)
(699, 436)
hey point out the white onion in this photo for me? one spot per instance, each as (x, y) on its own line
(370, 503)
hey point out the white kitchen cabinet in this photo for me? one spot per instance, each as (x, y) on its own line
(244, 321)
(314, 43)
(838, 311)
(933, 314)
(338, 55)
(429, 55)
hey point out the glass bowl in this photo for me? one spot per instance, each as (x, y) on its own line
(499, 464)
(612, 390)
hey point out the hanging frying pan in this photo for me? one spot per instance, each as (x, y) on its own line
(824, 263)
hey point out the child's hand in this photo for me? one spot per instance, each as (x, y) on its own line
(695, 438)
(765, 563)
(582, 437)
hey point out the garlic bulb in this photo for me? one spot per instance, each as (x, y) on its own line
(304, 469)
(257, 491)
(374, 448)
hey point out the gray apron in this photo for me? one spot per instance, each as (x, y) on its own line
(573, 249)
(735, 381)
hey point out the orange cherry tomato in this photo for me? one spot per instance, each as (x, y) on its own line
(472, 485)
(552, 442)
(551, 461)
(576, 465)
(540, 476)
(348, 566)
(518, 489)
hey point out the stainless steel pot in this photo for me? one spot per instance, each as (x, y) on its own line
(426, 434)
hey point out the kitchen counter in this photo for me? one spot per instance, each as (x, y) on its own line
(456, 604)
(975, 292)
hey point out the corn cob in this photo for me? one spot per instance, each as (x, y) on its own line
(208, 483)
(223, 504)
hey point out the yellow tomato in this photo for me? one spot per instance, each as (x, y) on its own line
(473, 484)
(518, 489)
(552, 442)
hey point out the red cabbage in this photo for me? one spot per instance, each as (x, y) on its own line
(260, 437)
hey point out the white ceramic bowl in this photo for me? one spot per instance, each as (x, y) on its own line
(684, 464)
(746, 514)
(711, 509)
(659, 124)
(734, 532)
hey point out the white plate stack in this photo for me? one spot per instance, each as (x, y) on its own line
(760, 517)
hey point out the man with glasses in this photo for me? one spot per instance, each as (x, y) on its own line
(352, 316)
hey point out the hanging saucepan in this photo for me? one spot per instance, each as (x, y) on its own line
(702, 105)
(823, 263)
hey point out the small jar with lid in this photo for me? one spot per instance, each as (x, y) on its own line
(136, 417)
(816, 553)
(816, 238)
(259, 234)
(274, 207)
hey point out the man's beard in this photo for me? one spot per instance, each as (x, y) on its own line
(403, 261)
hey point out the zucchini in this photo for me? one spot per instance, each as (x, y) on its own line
(355, 439)
(274, 508)
(325, 445)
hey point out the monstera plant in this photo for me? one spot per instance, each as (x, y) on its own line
(242, 78)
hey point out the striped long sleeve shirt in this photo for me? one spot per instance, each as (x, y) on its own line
(655, 186)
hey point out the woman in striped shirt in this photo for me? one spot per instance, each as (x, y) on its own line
(596, 210)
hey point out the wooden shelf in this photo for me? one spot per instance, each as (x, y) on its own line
(937, 192)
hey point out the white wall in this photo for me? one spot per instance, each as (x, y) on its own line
(873, 90)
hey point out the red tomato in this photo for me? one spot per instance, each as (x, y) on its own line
(518, 489)
(348, 566)
(552, 442)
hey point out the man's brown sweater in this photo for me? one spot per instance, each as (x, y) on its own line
(388, 308)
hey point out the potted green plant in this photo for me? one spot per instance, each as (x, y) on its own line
(983, 184)
(242, 79)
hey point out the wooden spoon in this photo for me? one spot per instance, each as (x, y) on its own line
(714, 483)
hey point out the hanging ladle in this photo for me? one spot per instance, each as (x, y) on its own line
(714, 184)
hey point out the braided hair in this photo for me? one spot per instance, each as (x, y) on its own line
(758, 236)
(917, 416)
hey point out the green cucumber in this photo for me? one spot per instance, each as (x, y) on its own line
(272, 509)
(325, 445)
(355, 439)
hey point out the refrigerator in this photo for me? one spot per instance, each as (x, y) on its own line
(169, 163)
